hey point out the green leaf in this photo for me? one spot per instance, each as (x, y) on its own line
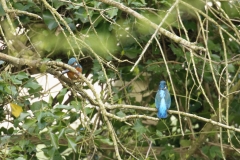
(29, 124)
(38, 105)
(72, 144)
(101, 139)
(54, 139)
(57, 3)
(82, 15)
(205, 150)
(12, 90)
(61, 95)
(15, 81)
(15, 148)
(176, 50)
(107, 141)
(215, 151)
(32, 84)
(61, 133)
(88, 110)
(23, 143)
(159, 134)
(139, 128)
(214, 46)
(5, 139)
(121, 114)
(20, 158)
(231, 68)
(22, 75)
(63, 107)
(131, 53)
(112, 12)
(49, 20)
(185, 143)
(2, 12)
(52, 153)
(77, 105)
(20, 6)
(216, 57)
(212, 153)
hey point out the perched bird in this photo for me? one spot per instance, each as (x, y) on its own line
(74, 63)
(162, 100)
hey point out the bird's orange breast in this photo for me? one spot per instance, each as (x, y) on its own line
(72, 75)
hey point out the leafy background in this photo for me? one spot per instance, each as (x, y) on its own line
(195, 51)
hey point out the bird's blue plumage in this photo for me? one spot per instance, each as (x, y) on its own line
(73, 62)
(162, 100)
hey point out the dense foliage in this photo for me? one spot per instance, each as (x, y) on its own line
(126, 48)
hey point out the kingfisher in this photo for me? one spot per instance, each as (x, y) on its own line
(162, 100)
(74, 63)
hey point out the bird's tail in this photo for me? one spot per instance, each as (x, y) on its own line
(162, 112)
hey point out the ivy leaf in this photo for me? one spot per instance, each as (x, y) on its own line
(15, 81)
(57, 3)
(38, 105)
(32, 84)
(22, 75)
(139, 128)
(121, 114)
(82, 15)
(49, 20)
(88, 110)
(112, 12)
(12, 90)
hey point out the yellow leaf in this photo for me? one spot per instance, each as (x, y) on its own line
(136, 71)
(122, 53)
(16, 110)
(169, 86)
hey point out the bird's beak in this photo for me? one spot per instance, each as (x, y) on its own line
(65, 71)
